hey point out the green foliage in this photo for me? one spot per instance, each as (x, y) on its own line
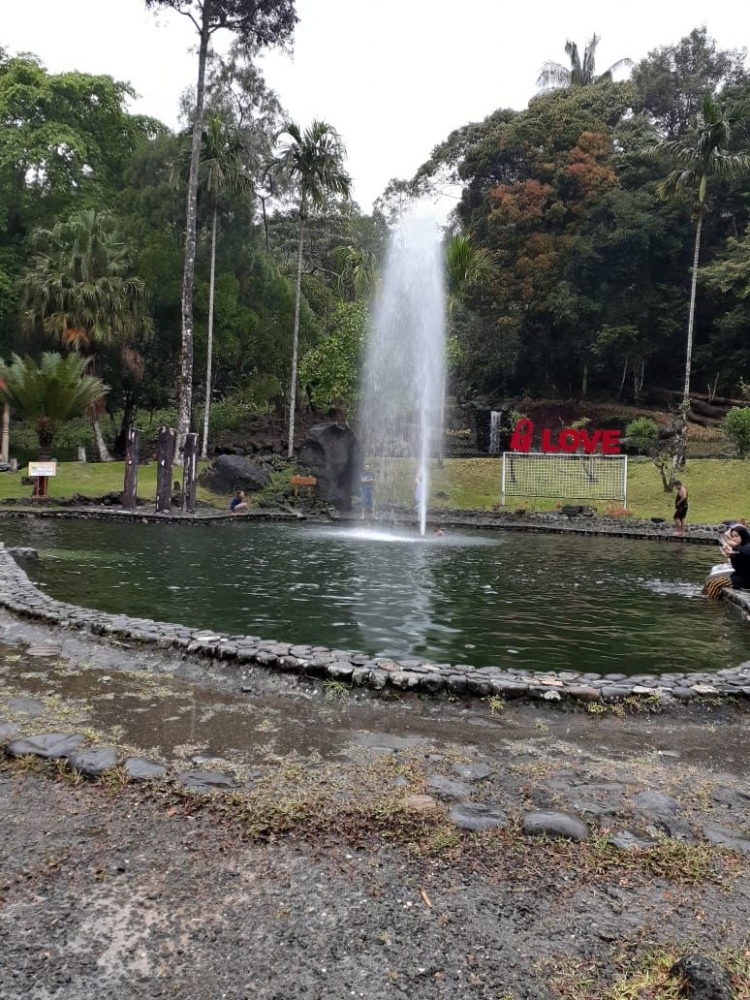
(467, 265)
(64, 137)
(587, 291)
(330, 370)
(313, 162)
(583, 285)
(736, 427)
(256, 24)
(51, 393)
(726, 286)
(672, 80)
(581, 72)
(643, 433)
(312, 159)
(69, 437)
(75, 434)
(24, 443)
(78, 288)
(666, 451)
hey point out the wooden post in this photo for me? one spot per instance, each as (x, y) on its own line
(190, 472)
(4, 448)
(130, 491)
(165, 458)
(40, 487)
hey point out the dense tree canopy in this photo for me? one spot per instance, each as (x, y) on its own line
(567, 271)
(593, 277)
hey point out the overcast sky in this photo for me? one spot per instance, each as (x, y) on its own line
(393, 76)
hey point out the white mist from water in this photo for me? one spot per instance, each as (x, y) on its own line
(403, 384)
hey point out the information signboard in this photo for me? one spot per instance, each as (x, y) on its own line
(42, 468)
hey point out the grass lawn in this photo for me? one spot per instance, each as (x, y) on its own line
(93, 479)
(718, 488)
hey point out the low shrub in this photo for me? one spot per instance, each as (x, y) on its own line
(615, 510)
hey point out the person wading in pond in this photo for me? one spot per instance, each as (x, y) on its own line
(680, 508)
(367, 494)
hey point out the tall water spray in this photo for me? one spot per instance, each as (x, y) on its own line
(401, 415)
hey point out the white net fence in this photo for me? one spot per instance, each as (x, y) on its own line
(564, 477)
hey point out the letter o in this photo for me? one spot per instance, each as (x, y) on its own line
(569, 440)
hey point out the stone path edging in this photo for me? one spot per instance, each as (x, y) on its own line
(19, 595)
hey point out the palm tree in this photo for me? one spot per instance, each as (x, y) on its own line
(357, 271)
(701, 155)
(78, 288)
(466, 265)
(313, 160)
(580, 72)
(51, 393)
(223, 171)
(256, 22)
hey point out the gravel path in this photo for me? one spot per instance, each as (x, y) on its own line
(128, 900)
(323, 876)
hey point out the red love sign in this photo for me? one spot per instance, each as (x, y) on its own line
(568, 441)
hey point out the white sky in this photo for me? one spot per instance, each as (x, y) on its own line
(393, 76)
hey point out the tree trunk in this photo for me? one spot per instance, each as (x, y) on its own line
(295, 340)
(681, 451)
(585, 380)
(210, 343)
(691, 314)
(265, 219)
(130, 488)
(190, 473)
(622, 381)
(121, 441)
(165, 460)
(101, 447)
(185, 394)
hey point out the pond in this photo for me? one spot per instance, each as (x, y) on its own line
(532, 601)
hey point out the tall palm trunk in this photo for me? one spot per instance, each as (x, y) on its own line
(295, 340)
(680, 453)
(691, 316)
(185, 398)
(210, 339)
(96, 412)
(101, 445)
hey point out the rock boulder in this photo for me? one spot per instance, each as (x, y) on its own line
(228, 473)
(331, 453)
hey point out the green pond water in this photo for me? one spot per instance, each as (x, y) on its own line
(534, 601)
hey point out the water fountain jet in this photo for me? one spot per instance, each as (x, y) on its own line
(401, 413)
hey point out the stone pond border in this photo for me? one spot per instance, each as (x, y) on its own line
(19, 595)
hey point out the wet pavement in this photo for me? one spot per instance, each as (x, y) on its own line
(177, 712)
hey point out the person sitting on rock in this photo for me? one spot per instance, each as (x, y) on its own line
(737, 549)
(238, 504)
(735, 545)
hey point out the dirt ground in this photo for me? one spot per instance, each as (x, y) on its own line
(336, 866)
